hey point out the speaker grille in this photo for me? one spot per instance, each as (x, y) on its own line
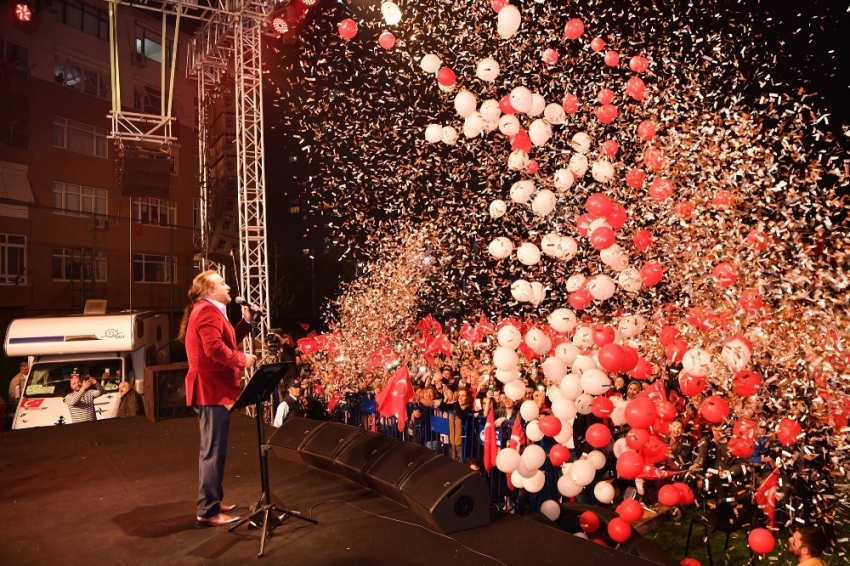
(165, 392)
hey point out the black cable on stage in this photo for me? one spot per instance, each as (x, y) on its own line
(493, 558)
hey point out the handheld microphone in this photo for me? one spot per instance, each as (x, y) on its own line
(244, 303)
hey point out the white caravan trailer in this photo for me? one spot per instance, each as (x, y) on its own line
(109, 347)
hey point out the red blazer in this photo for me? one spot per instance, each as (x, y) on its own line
(214, 362)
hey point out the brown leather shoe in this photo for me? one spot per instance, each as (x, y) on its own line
(227, 508)
(220, 520)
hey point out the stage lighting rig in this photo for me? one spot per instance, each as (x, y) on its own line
(287, 16)
(23, 11)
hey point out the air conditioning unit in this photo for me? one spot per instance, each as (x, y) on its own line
(98, 222)
(138, 59)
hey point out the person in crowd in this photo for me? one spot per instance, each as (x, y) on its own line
(632, 390)
(81, 399)
(807, 544)
(462, 408)
(420, 419)
(293, 404)
(723, 470)
(130, 404)
(16, 386)
(507, 412)
(213, 385)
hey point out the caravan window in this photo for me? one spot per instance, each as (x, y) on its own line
(54, 379)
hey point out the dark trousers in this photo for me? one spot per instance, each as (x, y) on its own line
(214, 421)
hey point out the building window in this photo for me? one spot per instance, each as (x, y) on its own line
(148, 268)
(154, 211)
(79, 137)
(13, 259)
(78, 263)
(149, 44)
(147, 99)
(84, 18)
(81, 76)
(17, 56)
(294, 209)
(77, 200)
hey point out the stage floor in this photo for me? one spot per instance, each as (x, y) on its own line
(123, 492)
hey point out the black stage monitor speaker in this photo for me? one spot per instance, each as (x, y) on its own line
(355, 458)
(145, 172)
(450, 496)
(391, 468)
(292, 435)
(321, 449)
(165, 392)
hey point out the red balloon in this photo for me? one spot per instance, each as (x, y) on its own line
(746, 383)
(723, 200)
(746, 428)
(661, 427)
(788, 432)
(617, 217)
(655, 450)
(635, 178)
(684, 209)
(691, 385)
(637, 438)
(559, 455)
(386, 40)
(602, 407)
(574, 28)
(686, 494)
(597, 44)
(690, 562)
(660, 190)
(638, 64)
(646, 129)
(589, 522)
(347, 28)
(520, 141)
(667, 335)
(757, 240)
(725, 274)
(581, 299)
(570, 104)
(630, 358)
(714, 409)
(606, 113)
(668, 495)
(676, 351)
(750, 300)
(761, 541)
(605, 96)
(629, 465)
(583, 223)
(630, 510)
(642, 240)
(599, 541)
(612, 58)
(642, 370)
(598, 435)
(666, 411)
(533, 167)
(611, 357)
(653, 159)
(619, 530)
(611, 148)
(640, 412)
(550, 56)
(505, 105)
(741, 447)
(651, 273)
(498, 5)
(446, 77)
(598, 205)
(549, 425)
(603, 334)
(636, 88)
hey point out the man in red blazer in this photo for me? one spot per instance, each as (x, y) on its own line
(213, 385)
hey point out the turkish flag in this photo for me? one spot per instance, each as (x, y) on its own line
(137, 229)
(392, 401)
(517, 440)
(31, 403)
(490, 448)
(656, 392)
(766, 496)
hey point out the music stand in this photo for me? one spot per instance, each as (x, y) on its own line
(256, 391)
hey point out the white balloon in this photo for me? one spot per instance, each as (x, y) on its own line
(604, 492)
(597, 458)
(567, 487)
(583, 363)
(509, 20)
(391, 13)
(736, 354)
(554, 393)
(566, 433)
(507, 460)
(434, 133)
(515, 389)
(544, 202)
(618, 415)
(538, 104)
(631, 325)
(538, 291)
(567, 353)
(430, 63)
(528, 254)
(602, 171)
(490, 125)
(521, 291)
(521, 99)
(567, 248)
(518, 160)
(525, 471)
(580, 142)
(509, 125)
(614, 257)
(517, 480)
(595, 381)
(487, 70)
(562, 320)
(490, 109)
(533, 432)
(521, 191)
(551, 509)
(505, 358)
(575, 282)
(583, 403)
(500, 248)
(578, 165)
(554, 369)
(533, 457)
(554, 114)
(564, 409)
(473, 125)
(571, 386)
(549, 244)
(601, 287)
(535, 483)
(597, 223)
(583, 337)
(449, 135)
(629, 280)
(582, 472)
(465, 103)
(498, 208)
(697, 362)
(509, 336)
(620, 446)
(537, 340)
(529, 410)
(539, 132)
(506, 376)
(563, 179)
(581, 534)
